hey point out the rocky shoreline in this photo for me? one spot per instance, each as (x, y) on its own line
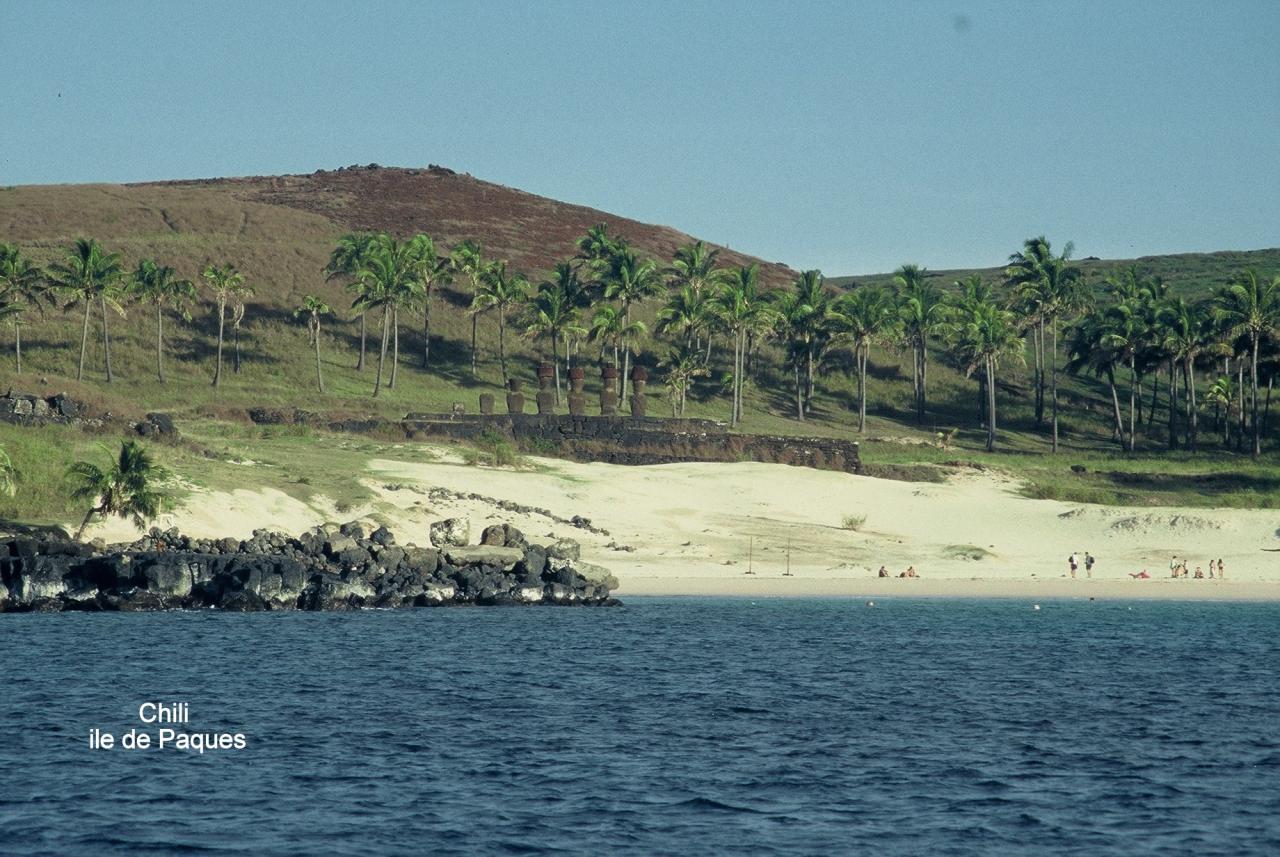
(330, 567)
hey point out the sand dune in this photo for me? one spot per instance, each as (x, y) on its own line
(700, 528)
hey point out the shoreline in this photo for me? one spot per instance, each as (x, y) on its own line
(949, 588)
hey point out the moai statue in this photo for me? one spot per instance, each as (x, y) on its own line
(577, 398)
(546, 398)
(639, 378)
(515, 398)
(609, 391)
(486, 404)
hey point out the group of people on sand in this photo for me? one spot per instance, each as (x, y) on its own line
(1178, 568)
(910, 572)
(1073, 563)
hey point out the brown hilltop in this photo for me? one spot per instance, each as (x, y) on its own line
(531, 232)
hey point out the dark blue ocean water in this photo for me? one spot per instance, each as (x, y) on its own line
(668, 726)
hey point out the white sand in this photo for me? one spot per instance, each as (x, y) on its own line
(698, 528)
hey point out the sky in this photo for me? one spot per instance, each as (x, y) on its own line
(850, 137)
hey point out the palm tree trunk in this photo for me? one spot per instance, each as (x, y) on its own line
(395, 346)
(1037, 344)
(862, 391)
(360, 362)
(502, 342)
(217, 366)
(1053, 357)
(1155, 396)
(795, 369)
(382, 352)
(235, 338)
(626, 355)
(160, 343)
(733, 408)
(426, 329)
(84, 340)
(1115, 407)
(991, 406)
(1133, 398)
(1173, 405)
(707, 359)
(808, 379)
(17, 343)
(1240, 386)
(742, 366)
(85, 523)
(1189, 387)
(1253, 381)
(106, 339)
(915, 373)
(474, 321)
(319, 377)
(555, 361)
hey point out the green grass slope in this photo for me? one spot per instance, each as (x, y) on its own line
(279, 231)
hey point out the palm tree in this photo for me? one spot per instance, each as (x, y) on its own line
(130, 488)
(743, 311)
(1089, 350)
(238, 308)
(90, 274)
(228, 285)
(552, 313)
(1049, 287)
(160, 286)
(610, 329)
(385, 276)
(693, 268)
(862, 316)
(982, 334)
(921, 309)
(596, 247)
(344, 261)
(687, 315)
(630, 280)
(469, 261)
(22, 285)
(500, 290)
(1125, 334)
(682, 365)
(1182, 336)
(431, 268)
(1250, 307)
(314, 309)
(1222, 394)
(8, 474)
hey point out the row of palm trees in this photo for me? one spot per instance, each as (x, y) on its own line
(88, 275)
(712, 315)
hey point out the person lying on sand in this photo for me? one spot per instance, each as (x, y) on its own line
(911, 571)
(1141, 575)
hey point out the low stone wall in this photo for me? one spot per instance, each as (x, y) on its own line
(615, 440)
(26, 409)
(637, 440)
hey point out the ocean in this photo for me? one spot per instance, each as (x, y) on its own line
(667, 726)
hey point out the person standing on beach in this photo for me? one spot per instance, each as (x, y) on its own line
(1221, 574)
(1073, 563)
(1088, 564)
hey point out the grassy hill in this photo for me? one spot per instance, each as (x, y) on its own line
(1190, 275)
(280, 230)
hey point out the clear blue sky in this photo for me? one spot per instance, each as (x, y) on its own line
(850, 137)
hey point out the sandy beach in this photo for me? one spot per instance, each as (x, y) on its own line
(737, 529)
